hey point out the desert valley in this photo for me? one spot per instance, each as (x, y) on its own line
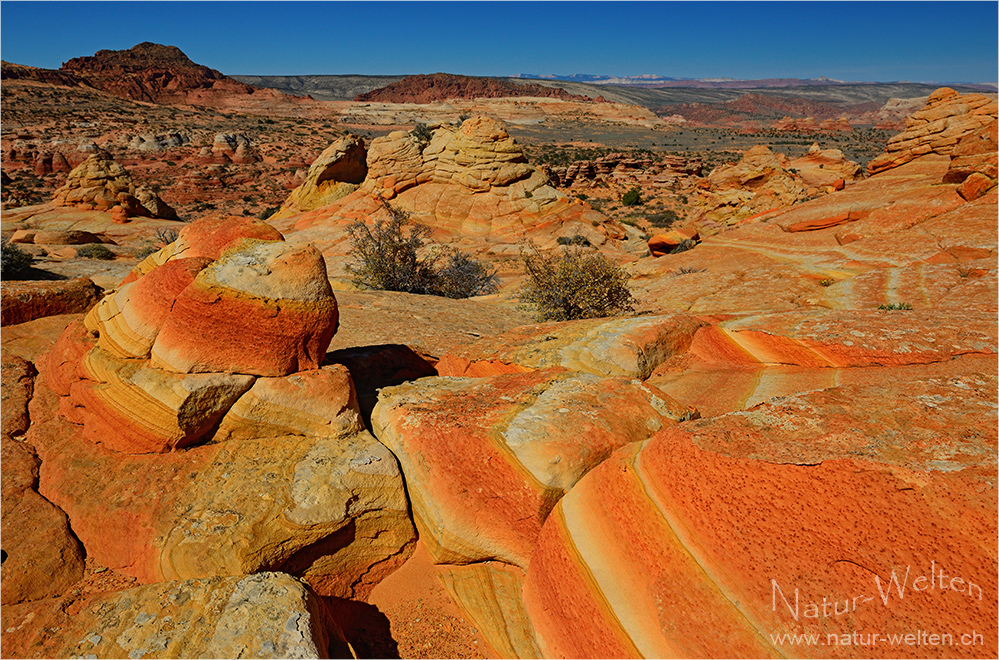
(673, 369)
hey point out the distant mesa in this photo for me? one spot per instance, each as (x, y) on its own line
(158, 74)
(446, 86)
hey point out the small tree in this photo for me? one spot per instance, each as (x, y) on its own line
(574, 284)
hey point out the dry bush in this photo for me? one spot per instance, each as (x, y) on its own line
(386, 257)
(574, 284)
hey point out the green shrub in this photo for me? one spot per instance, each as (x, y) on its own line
(827, 281)
(95, 251)
(574, 284)
(575, 239)
(895, 306)
(422, 133)
(268, 212)
(664, 219)
(15, 262)
(387, 258)
(632, 198)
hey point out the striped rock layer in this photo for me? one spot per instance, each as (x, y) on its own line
(628, 347)
(331, 510)
(828, 513)
(486, 459)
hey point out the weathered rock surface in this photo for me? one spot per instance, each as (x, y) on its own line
(269, 615)
(445, 86)
(897, 237)
(331, 510)
(264, 308)
(26, 301)
(43, 558)
(821, 168)
(104, 185)
(334, 175)
(291, 479)
(629, 347)
(486, 458)
(18, 377)
(659, 550)
(469, 184)
(947, 117)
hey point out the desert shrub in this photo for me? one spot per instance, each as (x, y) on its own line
(827, 281)
(464, 276)
(632, 198)
(687, 270)
(664, 219)
(575, 239)
(268, 212)
(15, 262)
(684, 245)
(574, 284)
(166, 236)
(582, 197)
(422, 133)
(895, 306)
(386, 257)
(95, 251)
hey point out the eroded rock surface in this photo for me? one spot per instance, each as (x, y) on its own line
(707, 517)
(268, 615)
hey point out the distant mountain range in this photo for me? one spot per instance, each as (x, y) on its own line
(657, 81)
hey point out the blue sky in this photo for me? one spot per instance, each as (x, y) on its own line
(883, 41)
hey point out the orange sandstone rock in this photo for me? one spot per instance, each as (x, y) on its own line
(631, 347)
(486, 458)
(43, 558)
(937, 128)
(330, 510)
(721, 535)
(263, 308)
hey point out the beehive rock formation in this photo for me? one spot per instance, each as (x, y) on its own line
(219, 338)
(334, 175)
(471, 182)
(105, 185)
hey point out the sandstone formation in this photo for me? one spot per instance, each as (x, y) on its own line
(973, 163)
(469, 184)
(822, 168)
(104, 185)
(686, 522)
(759, 182)
(482, 488)
(290, 476)
(810, 125)
(629, 347)
(160, 74)
(25, 301)
(670, 172)
(268, 615)
(43, 558)
(947, 117)
(334, 175)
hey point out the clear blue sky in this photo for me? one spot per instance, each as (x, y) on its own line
(883, 41)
